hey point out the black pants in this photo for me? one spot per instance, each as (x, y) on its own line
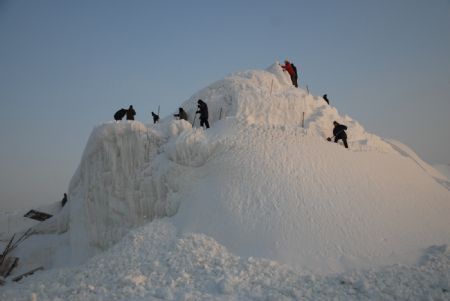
(344, 139)
(294, 81)
(204, 122)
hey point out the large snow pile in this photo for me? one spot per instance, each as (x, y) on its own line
(262, 182)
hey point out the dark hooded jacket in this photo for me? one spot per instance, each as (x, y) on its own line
(202, 109)
(155, 117)
(130, 113)
(119, 114)
(339, 131)
(181, 114)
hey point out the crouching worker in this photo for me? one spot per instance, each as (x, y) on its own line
(181, 114)
(120, 114)
(339, 133)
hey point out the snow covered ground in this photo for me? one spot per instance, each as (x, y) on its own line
(155, 262)
(259, 207)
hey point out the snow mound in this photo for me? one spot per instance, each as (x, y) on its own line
(261, 182)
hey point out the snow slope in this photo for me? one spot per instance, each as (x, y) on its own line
(444, 169)
(348, 213)
(257, 184)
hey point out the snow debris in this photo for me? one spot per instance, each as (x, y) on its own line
(156, 262)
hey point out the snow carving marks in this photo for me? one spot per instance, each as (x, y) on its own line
(106, 187)
(189, 147)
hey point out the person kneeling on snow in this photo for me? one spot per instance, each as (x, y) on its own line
(339, 133)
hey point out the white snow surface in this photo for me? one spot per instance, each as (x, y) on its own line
(258, 207)
(155, 262)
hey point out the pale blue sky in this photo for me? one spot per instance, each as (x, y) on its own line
(66, 66)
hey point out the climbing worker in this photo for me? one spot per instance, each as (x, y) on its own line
(339, 133)
(64, 200)
(295, 79)
(288, 67)
(325, 97)
(203, 110)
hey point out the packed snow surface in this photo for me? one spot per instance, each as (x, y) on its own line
(259, 206)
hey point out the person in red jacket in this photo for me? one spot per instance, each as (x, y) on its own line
(291, 70)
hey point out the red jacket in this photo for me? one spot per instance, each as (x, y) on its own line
(288, 68)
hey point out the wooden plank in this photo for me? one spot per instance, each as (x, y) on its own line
(18, 278)
(8, 265)
(24, 236)
(37, 215)
(5, 252)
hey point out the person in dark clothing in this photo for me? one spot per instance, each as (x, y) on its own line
(120, 114)
(292, 72)
(295, 78)
(130, 113)
(325, 97)
(64, 200)
(181, 114)
(155, 117)
(339, 133)
(203, 110)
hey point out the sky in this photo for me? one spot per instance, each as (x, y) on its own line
(67, 66)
